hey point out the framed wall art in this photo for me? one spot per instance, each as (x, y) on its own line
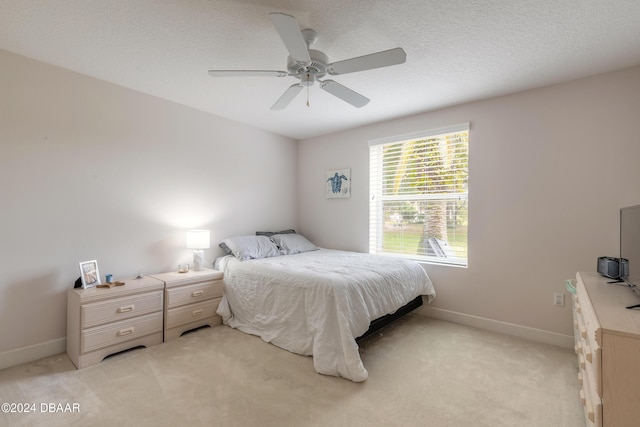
(89, 274)
(338, 183)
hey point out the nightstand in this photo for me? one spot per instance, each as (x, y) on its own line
(103, 321)
(190, 300)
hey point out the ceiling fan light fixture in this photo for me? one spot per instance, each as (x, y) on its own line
(318, 64)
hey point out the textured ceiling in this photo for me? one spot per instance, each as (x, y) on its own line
(457, 50)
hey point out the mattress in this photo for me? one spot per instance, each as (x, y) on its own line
(316, 303)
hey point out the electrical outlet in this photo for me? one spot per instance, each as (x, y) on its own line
(558, 299)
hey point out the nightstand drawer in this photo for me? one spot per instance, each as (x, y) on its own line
(193, 293)
(97, 313)
(114, 333)
(191, 313)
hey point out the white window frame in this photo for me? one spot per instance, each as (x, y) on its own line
(376, 199)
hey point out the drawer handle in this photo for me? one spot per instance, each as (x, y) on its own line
(126, 308)
(589, 357)
(127, 331)
(196, 294)
(590, 412)
(196, 312)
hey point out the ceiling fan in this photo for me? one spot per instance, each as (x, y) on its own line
(310, 66)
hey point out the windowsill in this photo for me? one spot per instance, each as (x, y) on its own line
(426, 261)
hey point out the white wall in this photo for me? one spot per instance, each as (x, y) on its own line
(549, 170)
(90, 170)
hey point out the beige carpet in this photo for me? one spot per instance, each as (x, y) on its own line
(422, 372)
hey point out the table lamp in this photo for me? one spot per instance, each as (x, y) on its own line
(198, 240)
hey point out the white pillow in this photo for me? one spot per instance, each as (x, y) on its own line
(290, 244)
(251, 247)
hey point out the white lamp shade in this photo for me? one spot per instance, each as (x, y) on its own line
(198, 239)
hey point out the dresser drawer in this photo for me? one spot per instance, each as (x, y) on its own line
(587, 319)
(97, 313)
(191, 313)
(594, 366)
(592, 407)
(115, 333)
(194, 293)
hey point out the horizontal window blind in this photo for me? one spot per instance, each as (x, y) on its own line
(419, 195)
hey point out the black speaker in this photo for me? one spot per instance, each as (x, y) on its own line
(613, 268)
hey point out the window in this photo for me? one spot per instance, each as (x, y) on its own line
(418, 205)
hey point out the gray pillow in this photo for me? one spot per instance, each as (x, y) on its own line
(251, 247)
(225, 248)
(271, 233)
(290, 244)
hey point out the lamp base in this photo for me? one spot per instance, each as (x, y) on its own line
(198, 260)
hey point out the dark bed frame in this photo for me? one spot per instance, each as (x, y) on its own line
(383, 321)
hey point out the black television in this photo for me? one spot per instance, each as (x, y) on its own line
(630, 246)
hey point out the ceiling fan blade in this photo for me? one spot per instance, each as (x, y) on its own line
(344, 93)
(247, 73)
(287, 97)
(290, 33)
(368, 62)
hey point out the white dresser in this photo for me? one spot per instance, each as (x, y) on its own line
(103, 321)
(608, 349)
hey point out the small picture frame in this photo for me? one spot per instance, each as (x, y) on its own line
(338, 184)
(89, 274)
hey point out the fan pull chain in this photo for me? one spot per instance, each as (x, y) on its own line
(308, 106)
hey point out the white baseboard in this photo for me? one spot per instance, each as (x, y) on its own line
(533, 334)
(30, 353)
(57, 346)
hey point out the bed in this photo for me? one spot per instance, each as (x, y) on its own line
(314, 301)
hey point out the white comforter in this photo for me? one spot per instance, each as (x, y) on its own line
(317, 303)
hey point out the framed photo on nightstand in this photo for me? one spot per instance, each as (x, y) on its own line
(89, 274)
